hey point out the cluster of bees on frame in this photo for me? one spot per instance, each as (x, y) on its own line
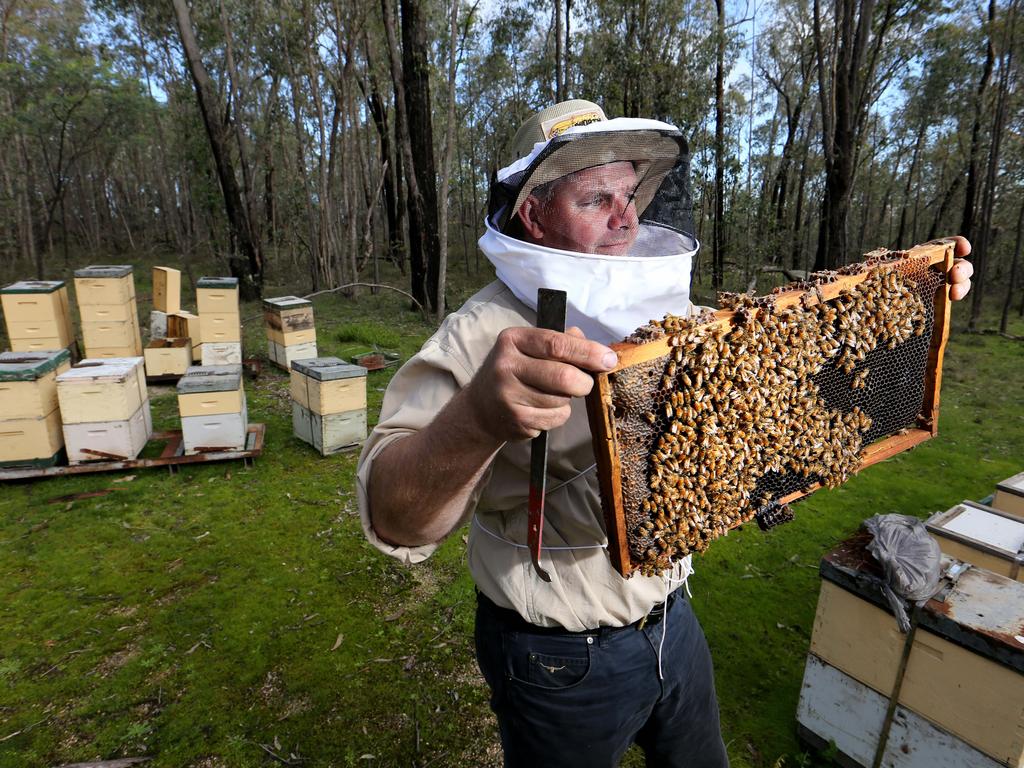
(737, 401)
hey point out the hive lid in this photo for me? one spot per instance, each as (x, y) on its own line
(286, 302)
(33, 286)
(111, 370)
(980, 527)
(978, 610)
(1013, 485)
(210, 378)
(327, 368)
(29, 366)
(105, 270)
(224, 283)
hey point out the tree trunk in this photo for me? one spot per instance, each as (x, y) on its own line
(718, 246)
(971, 193)
(446, 163)
(1014, 266)
(249, 268)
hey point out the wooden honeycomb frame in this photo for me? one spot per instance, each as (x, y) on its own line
(601, 412)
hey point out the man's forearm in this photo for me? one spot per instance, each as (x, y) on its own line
(419, 485)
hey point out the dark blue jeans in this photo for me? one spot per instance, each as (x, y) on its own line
(567, 699)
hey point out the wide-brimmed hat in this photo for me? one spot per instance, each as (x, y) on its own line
(575, 135)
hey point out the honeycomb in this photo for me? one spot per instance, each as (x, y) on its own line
(739, 415)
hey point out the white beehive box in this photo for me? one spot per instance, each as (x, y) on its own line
(30, 425)
(168, 357)
(223, 353)
(982, 536)
(1009, 496)
(285, 356)
(37, 315)
(965, 668)
(215, 432)
(102, 390)
(158, 324)
(329, 433)
(109, 440)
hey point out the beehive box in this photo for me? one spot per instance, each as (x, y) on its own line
(158, 325)
(110, 334)
(185, 325)
(168, 357)
(102, 390)
(115, 440)
(289, 320)
(37, 314)
(982, 536)
(107, 313)
(214, 415)
(105, 284)
(30, 425)
(965, 669)
(221, 353)
(219, 327)
(328, 385)
(329, 433)
(710, 422)
(166, 289)
(217, 295)
(1009, 496)
(836, 709)
(283, 356)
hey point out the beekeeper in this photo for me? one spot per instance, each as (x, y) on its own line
(581, 667)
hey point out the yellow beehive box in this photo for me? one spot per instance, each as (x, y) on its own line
(326, 385)
(211, 389)
(218, 295)
(220, 327)
(114, 333)
(28, 383)
(965, 669)
(32, 440)
(1009, 496)
(37, 330)
(291, 338)
(112, 353)
(37, 345)
(166, 289)
(104, 284)
(38, 301)
(168, 357)
(102, 390)
(108, 313)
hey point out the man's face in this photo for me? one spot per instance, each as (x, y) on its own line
(590, 212)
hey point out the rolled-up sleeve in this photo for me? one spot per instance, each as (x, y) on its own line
(418, 391)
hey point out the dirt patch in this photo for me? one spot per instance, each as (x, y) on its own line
(115, 661)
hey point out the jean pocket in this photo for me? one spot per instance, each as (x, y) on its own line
(550, 663)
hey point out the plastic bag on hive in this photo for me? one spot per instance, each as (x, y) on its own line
(910, 557)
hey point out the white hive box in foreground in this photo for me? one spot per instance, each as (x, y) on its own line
(1009, 496)
(110, 317)
(211, 401)
(104, 405)
(30, 426)
(958, 683)
(982, 536)
(328, 403)
(37, 315)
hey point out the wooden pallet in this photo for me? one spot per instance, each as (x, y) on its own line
(172, 456)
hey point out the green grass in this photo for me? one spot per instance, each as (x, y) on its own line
(209, 616)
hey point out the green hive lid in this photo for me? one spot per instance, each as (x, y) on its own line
(229, 283)
(105, 270)
(34, 286)
(327, 368)
(29, 366)
(210, 378)
(286, 302)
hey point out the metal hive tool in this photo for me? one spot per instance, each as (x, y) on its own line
(711, 422)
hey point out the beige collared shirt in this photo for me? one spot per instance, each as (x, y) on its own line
(585, 590)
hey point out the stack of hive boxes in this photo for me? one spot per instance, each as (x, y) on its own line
(213, 411)
(37, 315)
(105, 408)
(328, 403)
(110, 318)
(30, 433)
(291, 333)
(220, 326)
(957, 677)
(167, 355)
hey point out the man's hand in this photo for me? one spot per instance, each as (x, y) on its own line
(529, 378)
(960, 274)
